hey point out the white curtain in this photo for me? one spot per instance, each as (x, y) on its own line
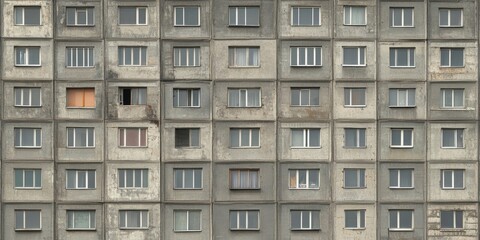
(358, 15)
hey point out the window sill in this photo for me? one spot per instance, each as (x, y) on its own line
(243, 67)
(355, 25)
(294, 106)
(346, 65)
(81, 107)
(306, 66)
(68, 147)
(452, 66)
(345, 147)
(133, 24)
(245, 189)
(186, 107)
(28, 65)
(197, 66)
(257, 229)
(244, 107)
(355, 106)
(245, 147)
(187, 148)
(27, 188)
(448, 189)
(133, 146)
(81, 229)
(186, 26)
(440, 26)
(244, 26)
(305, 147)
(20, 106)
(452, 148)
(355, 229)
(183, 189)
(401, 188)
(82, 189)
(402, 67)
(29, 25)
(135, 66)
(304, 188)
(20, 147)
(304, 25)
(186, 231)
(402, 106)
(80, 25)
(402, 26)
(302, 230)
(401, 147)
(452, 109)
(400, 230)
(452, 230)
(133, 229)
(29, 230)
(79, 67)
(351, 188)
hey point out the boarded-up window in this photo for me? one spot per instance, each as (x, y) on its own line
(80, 97)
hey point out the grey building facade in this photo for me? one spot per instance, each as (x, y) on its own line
(229, 119)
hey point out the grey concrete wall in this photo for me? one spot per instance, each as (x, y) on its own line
(46, 215)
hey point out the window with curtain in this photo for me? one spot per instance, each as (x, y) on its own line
(305, 137)
(132, 56)
(80, 137)
(355, 15)
(244, 137)
(305, 96)
(186, 56)
(132, 137)
(244, 97)
(244, 179)
(401, 97)
(133, 219)
(132, 95)
(81, 219)
(187, 220)
(80, 97)
(186, 97)
(81, 179)
(244, 56)
(304, 178)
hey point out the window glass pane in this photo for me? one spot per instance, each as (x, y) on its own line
(447, 179)
(33, 55)
(361, 136)
(232, 14)
(396, 137)
(458, 97)
(32, 16)
(408, 17)
(129, 177)
(406, 178)
(405, 219)
(459, 219)
(233, 219)
(314, 137)
(393, 219)
(179, 15)
(295, 219)
(242, 224)
(362, 177)
(444, 57)
(35, 96)
(234, 138)
(350, 56)
(305, 16)
(197, 178)
(456, 17)
(350, 178)
(188, 178)
(133, 219)
(138, 178)
(407, 137)
(18, 15)
(316, 16)
(252, 219)
(252, 16)
(194, 220)
(358, 15)
(255, 137)
(394, 178)
(90, 17)
(19, 219)
(127, 15)
(191, 15)
(91, 179)
(82, 178)
(181, 220)
(350, 219)
(194, 137)
(458, 178)
(241, 15)
(411, 97)
(448, 138)
(313, 178)
(457, 57)
(18, 178)
(443, 17)
(178, 178)
(446, 219)
(32, 219)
